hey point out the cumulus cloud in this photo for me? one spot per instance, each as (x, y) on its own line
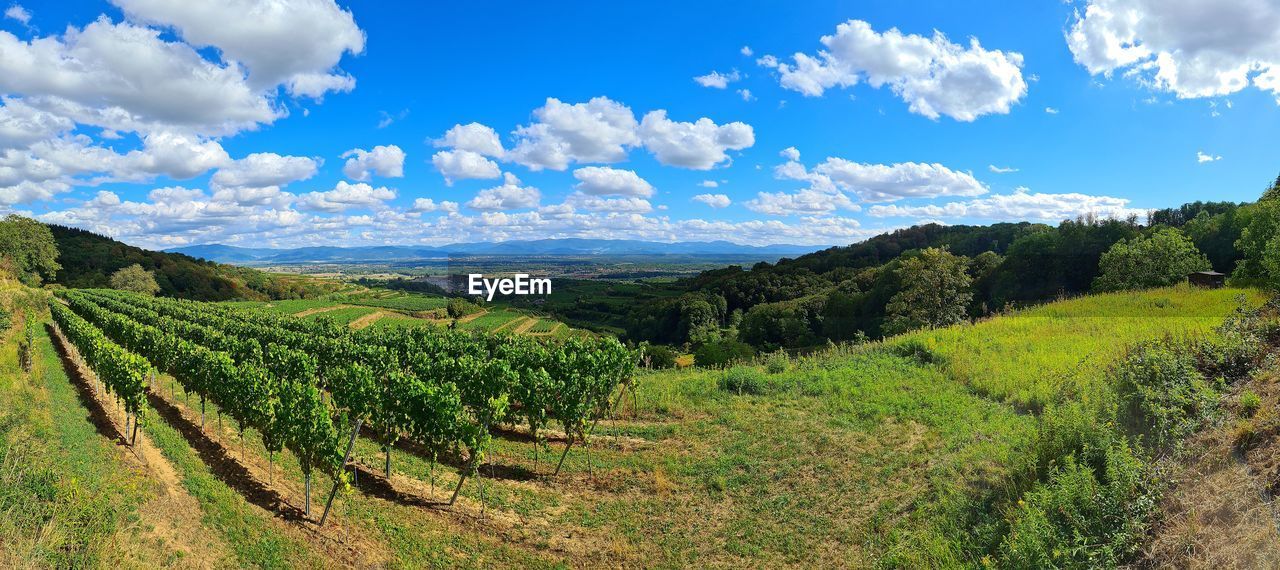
(717, 80)
(713, 200)
(1201, 157)
(809, 201)
(881, 182)
(604, 181)
(700, 145)
(22, 124)
(600, 130)
(628, 204)
(511, 195)
(464, 165)
(1192, 49)
(473, 137)
(1021, 205)
(933, 75)
(297, 43)
(346, 196)
(1001, 169)
(746, 50)
(386, 161)
(709, 184)
(263, 169)
(429, 205)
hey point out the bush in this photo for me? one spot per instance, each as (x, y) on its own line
(660, 356)
(26, 357)
(721, 353)
(6, 319)
(777, 362)
(744, 380)
(1249, 403)
(914, 349)
(1084, 516)
(458, 308)
(1162, 393)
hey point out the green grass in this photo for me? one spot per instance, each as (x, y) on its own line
(342, 316)
(491, 320)
(400, 302)
(543, 326)
(1027, 356)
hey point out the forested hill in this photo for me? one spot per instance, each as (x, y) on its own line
(874, 288)
(89, 259)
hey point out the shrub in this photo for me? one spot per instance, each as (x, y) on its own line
(1084, 516)
(777, 362)
(1249, 403)
(660, 356)
(458, 308)
(6, 319)
(25, 344)
(914, 349)
(722, 352)
(744, 380)
(1162, 393)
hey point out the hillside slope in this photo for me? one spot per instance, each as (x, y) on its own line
(914, 452)
(89, 259)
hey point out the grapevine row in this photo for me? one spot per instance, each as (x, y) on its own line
(443, 389)
(276, 395)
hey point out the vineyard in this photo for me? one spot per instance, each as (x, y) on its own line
(312, 387)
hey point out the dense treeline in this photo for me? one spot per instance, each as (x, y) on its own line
(27, 250)
(935, 275)
(88, 260)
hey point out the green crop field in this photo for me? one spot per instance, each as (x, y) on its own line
(342, 316)
(405, 302)
(490, 320)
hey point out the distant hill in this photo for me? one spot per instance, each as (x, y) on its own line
(89, 259)
(545, 247)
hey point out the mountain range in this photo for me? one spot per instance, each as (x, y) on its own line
(545, 247)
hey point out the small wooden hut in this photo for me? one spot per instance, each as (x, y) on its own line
(1207, 279)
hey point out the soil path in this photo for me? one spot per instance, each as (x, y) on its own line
(173, 516)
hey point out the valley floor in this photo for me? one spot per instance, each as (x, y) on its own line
(889, 454)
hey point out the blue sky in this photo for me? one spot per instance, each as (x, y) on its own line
(164, 124)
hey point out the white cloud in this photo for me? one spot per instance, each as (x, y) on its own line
(886, 182)
(746, 95)
(21, 124)
(294, 42)
(388, 118)
(933, 75)
(1001, 170)
(717, 80)
(1051, 110)
(1201, 157)
(600, 130)
(713, 200)
(464, 165)
(709, 184)
(700, 145)
(429, 205)
(628, 204)
(346, 196)
(510, 196)
(604, 181)
(1192, 49)
(1021, 205)
(386, 161)
(124, 77)
(18, 13)
(262, 169)
(790, 153)
(176, 155)
(473, 137)
(809, 201)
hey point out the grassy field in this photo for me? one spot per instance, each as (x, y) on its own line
(894, 454)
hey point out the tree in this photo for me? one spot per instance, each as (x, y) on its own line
(1163, 258)
(135, 278)
(936, 292)
(30, 247)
